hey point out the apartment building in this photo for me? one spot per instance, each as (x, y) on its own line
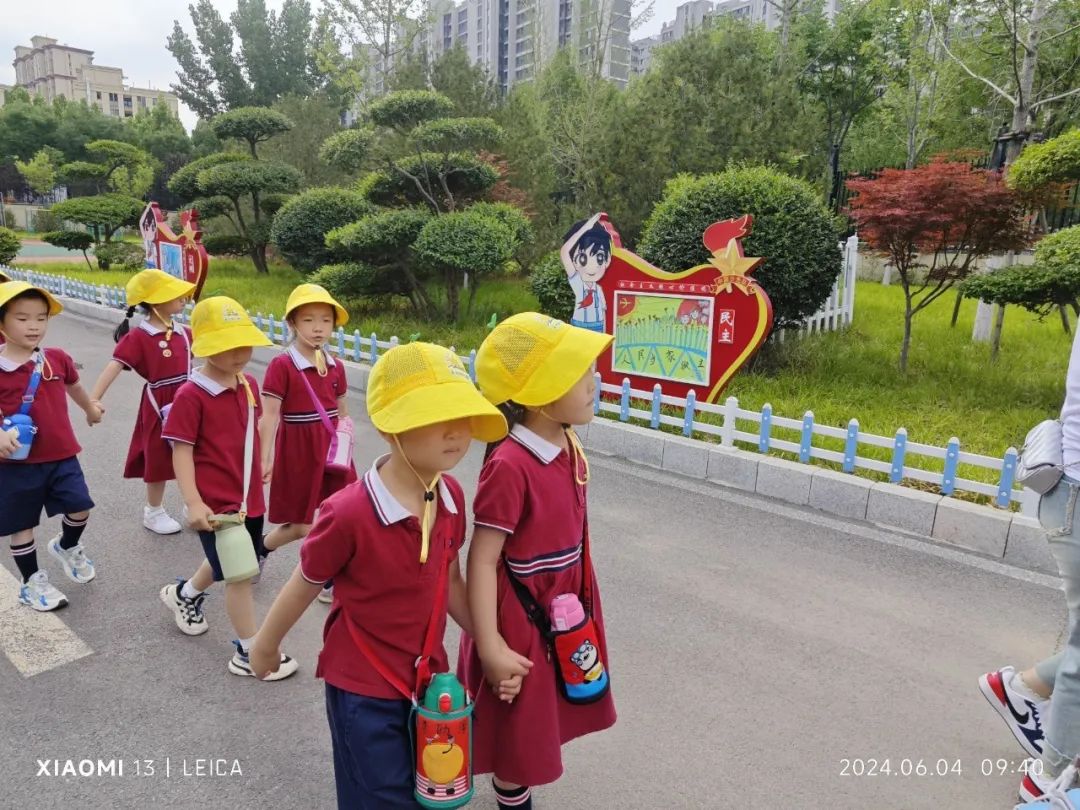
(51, 70)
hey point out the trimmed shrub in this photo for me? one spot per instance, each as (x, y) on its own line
(9, 245)
(301, 225)
(225, 244)
(120, 256)
(45, 222)
(551, 288)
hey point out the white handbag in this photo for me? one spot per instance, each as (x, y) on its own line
(1041, 463)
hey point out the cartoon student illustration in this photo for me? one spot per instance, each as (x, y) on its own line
(148, 227)
(586, 256)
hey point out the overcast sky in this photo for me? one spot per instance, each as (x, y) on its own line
(131, 35)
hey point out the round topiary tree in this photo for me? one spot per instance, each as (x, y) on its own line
(301, 225)
(793, 230)
(71, 240)
(9, 245)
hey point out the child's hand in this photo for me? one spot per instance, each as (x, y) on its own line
(9, 443)
(510, 689)
(268, 470)
(94, 413)
(263, 660)
(503, 664)
(198, 516)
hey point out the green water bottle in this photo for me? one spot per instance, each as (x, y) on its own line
(234, 549)
(444, 744)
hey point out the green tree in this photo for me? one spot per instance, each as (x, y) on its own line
(41, 172)
(315, 119)
(1040, 165)
(256, 57)
(115, 166)
(469, 86)
(792, 229)
(241, 187)
(9, 245)
(301, 225)
(157, 131)
(71, 240)
(105, 213)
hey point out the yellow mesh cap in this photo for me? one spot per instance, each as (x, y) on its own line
(421, 384)
(220, 324)
(314, 294)
(534, 359)
(10, 289)
(156, 287)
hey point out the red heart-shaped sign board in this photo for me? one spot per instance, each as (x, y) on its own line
(689, 331)
(182, 255)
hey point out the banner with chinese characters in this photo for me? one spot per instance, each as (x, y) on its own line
(689, 331)
(181, 255)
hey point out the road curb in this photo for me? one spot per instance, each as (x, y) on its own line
(989, 532)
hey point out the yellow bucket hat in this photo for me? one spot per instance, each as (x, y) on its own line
(314, 294)
(156, 287)
(219, 324)
(420, 384)
(10, 289)
(4, 279)
(534, 359)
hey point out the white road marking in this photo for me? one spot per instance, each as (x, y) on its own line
(34, 642)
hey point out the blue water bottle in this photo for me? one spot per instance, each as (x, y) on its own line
(24, 429)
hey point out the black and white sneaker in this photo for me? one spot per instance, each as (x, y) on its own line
(187, 612)
(1022, 715)
(239, 665)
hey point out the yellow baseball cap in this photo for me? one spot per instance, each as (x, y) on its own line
(156, 287)
(534, 359)
(420, 384)
(10, 289)
(219, 324)
(314, 294)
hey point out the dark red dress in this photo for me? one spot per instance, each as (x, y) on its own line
(300, 480)
(527, 489)
(149, 456)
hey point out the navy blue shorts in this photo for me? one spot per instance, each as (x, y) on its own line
(58, 487)
(373, 757)
(254, 527)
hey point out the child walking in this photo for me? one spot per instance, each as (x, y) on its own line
(159, 351)
(390, 542)
(530, 549)
(34, 386)
(304, 406)
(216, 457)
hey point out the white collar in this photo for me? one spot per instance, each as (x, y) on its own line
(302, 362)
(9, 366)
(149, 328)
(211, 387)
(535, 444)
(388, 508)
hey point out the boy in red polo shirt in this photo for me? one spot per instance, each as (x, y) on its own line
(212, 425)
(35, 383)
(390, 542)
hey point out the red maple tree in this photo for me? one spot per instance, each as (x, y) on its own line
(932, 223)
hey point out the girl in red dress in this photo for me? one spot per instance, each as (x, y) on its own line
(159, 351)
(294, 462)
(530, 546)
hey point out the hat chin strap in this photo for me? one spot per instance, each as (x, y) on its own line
(427, 520)
(576, 448)
(167, 321)
(320, 355)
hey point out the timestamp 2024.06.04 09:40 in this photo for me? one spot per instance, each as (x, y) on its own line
(942, 766)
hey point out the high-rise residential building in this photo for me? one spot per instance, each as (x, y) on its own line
(696, 14)
(51, 70)
(513, 38)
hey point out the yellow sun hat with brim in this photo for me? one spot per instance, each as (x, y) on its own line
(220, 324)
(11, 289)
(420, 384)
(534, 360)
(156, 287)
(314, 294)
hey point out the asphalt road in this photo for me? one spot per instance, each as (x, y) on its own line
(762, 655)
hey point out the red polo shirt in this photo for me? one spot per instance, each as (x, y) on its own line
(369, 544)
(55, 439)
(213, 419)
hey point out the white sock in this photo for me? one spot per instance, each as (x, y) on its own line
(1017, 685)
(245, 643)
(152, 509)
(188, 592)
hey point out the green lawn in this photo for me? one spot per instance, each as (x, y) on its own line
(951, 387)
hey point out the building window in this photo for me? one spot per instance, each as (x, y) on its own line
(127, 101)
(99, 95)
(114, 97)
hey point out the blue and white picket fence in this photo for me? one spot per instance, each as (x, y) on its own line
(646, 407)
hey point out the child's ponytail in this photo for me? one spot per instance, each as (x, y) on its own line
(124, 327)
(515, 415)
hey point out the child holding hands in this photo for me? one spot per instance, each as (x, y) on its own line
(390, 542)
(530, 550)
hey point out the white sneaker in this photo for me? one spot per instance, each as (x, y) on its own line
(157, 520)
(1021, 714)
(1037, 785)
(326, 595)
(187, 612)
(77, 565)
(239, 665)
(39, 593)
